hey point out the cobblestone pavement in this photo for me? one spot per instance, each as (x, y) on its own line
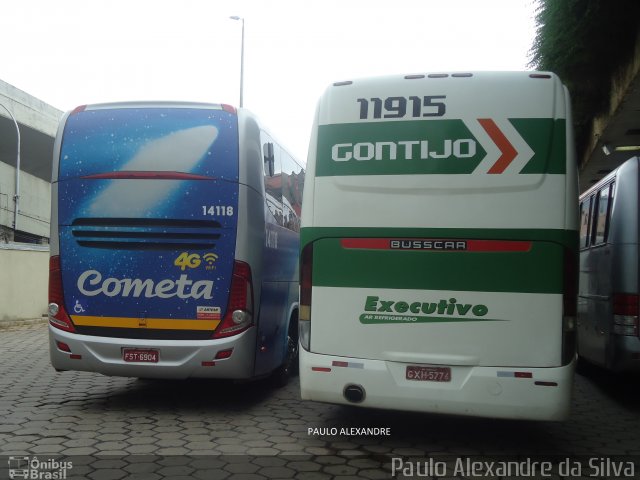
(113, 428)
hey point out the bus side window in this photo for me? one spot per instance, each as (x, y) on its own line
(292, 187)
(603, 215)
(272, 177)
(585, 216)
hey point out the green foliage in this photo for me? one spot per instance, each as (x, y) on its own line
(585, 42)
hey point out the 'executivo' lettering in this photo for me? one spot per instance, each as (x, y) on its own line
(443, 307)
(90, 283)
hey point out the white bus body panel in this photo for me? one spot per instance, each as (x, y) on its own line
(511, 366)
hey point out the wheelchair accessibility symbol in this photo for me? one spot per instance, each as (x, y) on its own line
(77, 308)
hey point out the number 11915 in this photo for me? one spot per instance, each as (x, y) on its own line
(398, 107)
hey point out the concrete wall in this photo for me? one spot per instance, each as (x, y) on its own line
(24, 278)
(35, 201)
(29, 110)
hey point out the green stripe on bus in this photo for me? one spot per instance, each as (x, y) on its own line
(429, 147)
(548, 140)
(536, 271)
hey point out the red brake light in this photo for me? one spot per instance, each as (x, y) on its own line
(58, 316)
(625, 304)
(239, 314)
(570, 287)
(229, 108)
(306, 284)
(78, 109)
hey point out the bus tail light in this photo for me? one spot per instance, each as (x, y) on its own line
(304, 317)
(569, 307)
(239, 314)
(58, 316)
(625, 314)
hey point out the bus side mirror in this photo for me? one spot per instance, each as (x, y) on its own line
(269, 158)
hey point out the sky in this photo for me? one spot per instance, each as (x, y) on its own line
(75, 52)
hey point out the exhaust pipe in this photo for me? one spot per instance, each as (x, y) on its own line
(354, 393)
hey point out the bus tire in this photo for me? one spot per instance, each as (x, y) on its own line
(289, 367)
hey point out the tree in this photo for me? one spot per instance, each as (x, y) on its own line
(585, 42)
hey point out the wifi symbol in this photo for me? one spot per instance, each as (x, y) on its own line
(210, 258)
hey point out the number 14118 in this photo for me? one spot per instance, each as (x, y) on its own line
(217, 210)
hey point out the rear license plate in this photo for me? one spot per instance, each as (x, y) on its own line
(140, 356)
(428, 374)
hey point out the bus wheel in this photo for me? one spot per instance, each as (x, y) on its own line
(290, 364)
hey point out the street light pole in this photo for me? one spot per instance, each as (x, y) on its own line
(235, 17)
(16, 196)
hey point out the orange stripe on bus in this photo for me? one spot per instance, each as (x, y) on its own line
(147, 323)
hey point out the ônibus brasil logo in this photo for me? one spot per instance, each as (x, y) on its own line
(392, 311)
(35, 469)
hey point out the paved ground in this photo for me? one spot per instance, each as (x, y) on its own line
(112, 428)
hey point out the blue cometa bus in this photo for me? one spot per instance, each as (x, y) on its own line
(174, 243)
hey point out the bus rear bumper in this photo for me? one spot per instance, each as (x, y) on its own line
(475, 391)
(177, 359)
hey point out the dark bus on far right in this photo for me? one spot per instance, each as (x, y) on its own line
(608, 333)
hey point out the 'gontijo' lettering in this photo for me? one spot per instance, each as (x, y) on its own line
(404, 150)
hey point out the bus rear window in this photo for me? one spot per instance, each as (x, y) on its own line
(101, 141)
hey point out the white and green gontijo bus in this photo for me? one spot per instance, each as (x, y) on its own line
(439, 246)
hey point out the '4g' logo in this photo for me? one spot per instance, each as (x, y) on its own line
(185, 260)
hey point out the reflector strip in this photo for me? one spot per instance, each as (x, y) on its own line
(546, 384)
(147, 323)
(515, 374)
(208, 364)
(75, 357)
(222, 354)
(336, 363)
(436, 244)
(320, 369)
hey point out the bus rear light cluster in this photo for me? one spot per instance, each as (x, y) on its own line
(239, 313)
(569, 307)
(58, 316)
(625, 314)
(304, 315)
